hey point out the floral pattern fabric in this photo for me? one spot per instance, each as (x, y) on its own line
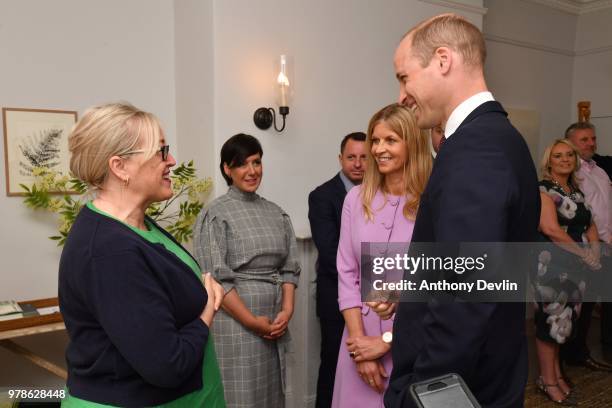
(559, 284)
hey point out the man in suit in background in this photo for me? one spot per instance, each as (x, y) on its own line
(483, 188)
(325, 212)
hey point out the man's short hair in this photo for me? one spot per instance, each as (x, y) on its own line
(356, 136)
(578, 125)
(452, 31)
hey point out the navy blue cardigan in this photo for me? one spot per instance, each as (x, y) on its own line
(132, 311)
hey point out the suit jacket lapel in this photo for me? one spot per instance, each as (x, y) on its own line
(339, 186)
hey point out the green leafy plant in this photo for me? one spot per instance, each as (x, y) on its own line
(52, 192)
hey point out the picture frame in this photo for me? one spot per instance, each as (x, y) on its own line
(34, 138)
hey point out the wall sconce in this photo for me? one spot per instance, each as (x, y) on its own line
(265, 117)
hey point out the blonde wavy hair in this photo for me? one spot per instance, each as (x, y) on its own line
(114, 129)
(545, 162)
(418, 163)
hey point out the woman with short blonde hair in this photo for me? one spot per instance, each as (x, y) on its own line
(545, 166)
(114, 129)
(136, 311)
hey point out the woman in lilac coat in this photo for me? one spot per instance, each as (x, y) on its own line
(381, 209)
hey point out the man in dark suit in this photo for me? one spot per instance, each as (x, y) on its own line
(324, 212)
(483, 188)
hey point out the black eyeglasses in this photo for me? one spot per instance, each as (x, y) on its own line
(164, 150)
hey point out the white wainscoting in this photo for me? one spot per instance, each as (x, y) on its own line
(303, 360)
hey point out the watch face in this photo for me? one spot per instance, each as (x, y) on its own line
(387, 337)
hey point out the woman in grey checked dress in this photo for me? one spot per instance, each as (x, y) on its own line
(248, 244)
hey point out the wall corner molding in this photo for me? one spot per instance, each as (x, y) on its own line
(596, 6)
(545, 48)
(576, 7)
(458, 5)
(530, 45)
(562, 5)
(597, 50)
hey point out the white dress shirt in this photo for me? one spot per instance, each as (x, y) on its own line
(462, 111)
(595, 184)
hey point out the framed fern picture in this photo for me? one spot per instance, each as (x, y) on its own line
(34, 138)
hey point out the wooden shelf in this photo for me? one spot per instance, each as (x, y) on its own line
(32, 321)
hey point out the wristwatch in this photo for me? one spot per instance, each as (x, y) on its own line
(387, 337)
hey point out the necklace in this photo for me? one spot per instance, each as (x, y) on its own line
(573, 194)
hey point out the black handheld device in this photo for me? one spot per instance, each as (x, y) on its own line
(447, 391)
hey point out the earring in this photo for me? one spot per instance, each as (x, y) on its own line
(126, 182)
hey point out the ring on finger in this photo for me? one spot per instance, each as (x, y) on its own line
(352, 354)
(371, 381)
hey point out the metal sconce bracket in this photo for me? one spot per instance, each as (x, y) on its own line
(265, 117)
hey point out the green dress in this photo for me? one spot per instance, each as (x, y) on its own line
(211, 393)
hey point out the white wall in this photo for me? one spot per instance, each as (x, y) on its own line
(203, 71)
(203, 66)
(67, 54)
(194, 79)
(592, 79)
(342, 52)
(205, 75)
(530, 61)
(530, 22)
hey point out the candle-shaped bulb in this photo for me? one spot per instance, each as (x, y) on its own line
(283, 81)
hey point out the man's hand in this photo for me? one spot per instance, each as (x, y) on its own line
(384, 310)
